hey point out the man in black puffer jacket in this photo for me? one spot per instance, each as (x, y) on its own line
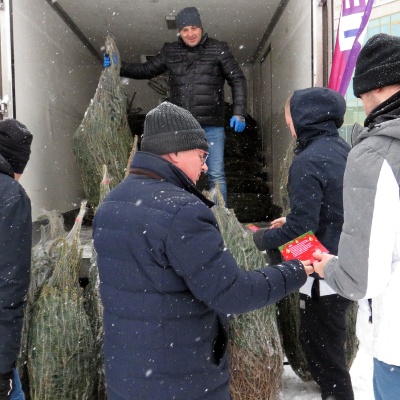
(167, 281)
(316, 200)
(15, 250)
(197, 68)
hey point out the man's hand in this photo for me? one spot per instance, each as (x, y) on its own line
(308, 267)
(6, 385)
(277, 223)
(238, 123)
(322, 259)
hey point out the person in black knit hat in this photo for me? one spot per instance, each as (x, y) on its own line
(198, 67)
(15, 251)
(167, 281)
(368, 268)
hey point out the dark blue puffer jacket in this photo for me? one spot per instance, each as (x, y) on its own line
(316, 173)
(167, 282)
(15, 263)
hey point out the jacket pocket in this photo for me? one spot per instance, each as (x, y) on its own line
(220, 344)
(175, 65)
(209, 65)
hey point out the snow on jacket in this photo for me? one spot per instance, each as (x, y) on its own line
(15, 259)
(315, 175)
(196, 77)
(167, 283)
(368, 263)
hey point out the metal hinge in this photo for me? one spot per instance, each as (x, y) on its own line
(4, 104)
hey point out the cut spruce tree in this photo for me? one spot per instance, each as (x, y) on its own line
(104, 137)
(60, 349)
(256, 356)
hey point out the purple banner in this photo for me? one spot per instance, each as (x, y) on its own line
(350, 36)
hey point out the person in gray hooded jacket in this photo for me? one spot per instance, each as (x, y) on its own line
(368, 264)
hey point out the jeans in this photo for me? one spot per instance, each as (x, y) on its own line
(17, 393)
(386, 381)
(215, 161)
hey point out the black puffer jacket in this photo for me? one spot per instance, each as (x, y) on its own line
(196, 78)
(15, 259)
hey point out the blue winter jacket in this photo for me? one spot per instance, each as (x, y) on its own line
(167, 283)
(15, 263)
(316, 173)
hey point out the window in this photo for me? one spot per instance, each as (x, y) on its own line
(389, 24)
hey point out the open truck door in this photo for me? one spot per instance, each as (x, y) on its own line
(6, 62)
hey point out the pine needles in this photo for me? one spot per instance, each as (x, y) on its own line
(256, 358)
(60, 349)
(104, 137)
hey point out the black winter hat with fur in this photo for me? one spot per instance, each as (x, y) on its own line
(15, 144)
(170, 129)
(378, 64)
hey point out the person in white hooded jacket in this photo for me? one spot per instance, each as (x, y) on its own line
(368, 264)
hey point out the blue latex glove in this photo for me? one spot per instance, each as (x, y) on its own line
(17, 393)
(238, 123)
(107, 60)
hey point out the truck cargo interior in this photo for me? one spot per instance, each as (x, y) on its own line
(51, 62)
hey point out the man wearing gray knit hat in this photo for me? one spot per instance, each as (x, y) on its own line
(368, 267)
(170, 129)
(167, 281)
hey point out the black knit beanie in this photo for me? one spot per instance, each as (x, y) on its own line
(170, 129)
(15, 144)
(188, 16)
(378, 64)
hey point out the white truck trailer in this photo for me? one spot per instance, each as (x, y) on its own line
(50, 70)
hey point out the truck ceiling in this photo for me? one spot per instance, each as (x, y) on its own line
(141, 27)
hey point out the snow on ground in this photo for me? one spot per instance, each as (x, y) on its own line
(361, 375)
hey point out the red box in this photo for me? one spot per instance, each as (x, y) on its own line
(302, 248)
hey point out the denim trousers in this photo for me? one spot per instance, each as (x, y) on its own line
(215, 161)
(17, 393)
(386, 381)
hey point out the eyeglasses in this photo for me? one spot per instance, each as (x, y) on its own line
(203, 158)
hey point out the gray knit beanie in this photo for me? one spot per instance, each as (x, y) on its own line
(170, 129)
(378, 64)
(188, 16)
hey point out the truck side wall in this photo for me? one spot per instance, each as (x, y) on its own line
(284, 64)
(55, 78)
